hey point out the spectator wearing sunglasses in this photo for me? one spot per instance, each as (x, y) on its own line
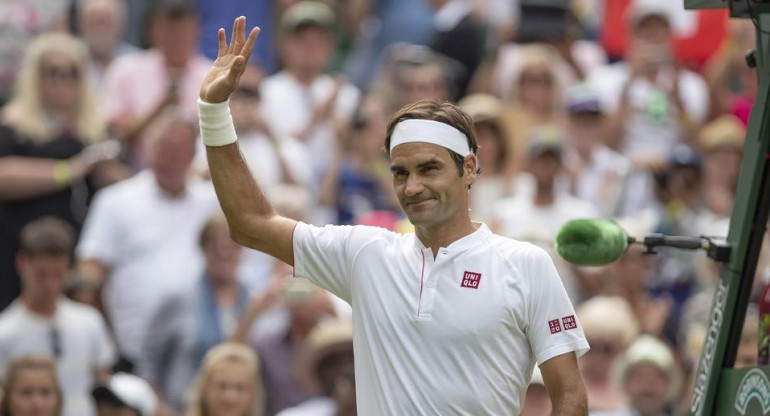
(43, 322)
(52, 156)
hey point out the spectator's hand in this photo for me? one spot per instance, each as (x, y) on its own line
(269, 297)
(226, 71)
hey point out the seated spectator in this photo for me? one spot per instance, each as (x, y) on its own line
(359, 180)
(101, 24)
(597, 173)
(140, 86)
(141, 239)
(307, 305)
(649, 376)
(301, 101)
(125, 395)
(499, 178)
(652, 102)
(537, 216)
(323, 366)
(31, 388)
(42, 321)
(608, 338)
(721, 142)
(228, 383)
(50, 161)
(188, 323)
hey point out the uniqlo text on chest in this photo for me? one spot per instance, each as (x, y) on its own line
(471, 280)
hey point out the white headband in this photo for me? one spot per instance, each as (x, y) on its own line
(429, 131)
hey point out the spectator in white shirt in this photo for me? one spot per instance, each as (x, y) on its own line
(596, 172)
(653, 103)
(140, 237)
(301, 101)
(42, 321)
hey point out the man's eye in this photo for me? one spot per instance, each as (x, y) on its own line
(399, 175)
(427, 169)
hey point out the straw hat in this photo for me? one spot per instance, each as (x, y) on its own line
(327, 338)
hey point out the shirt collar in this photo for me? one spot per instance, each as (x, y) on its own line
(450, 14)
(463, 243)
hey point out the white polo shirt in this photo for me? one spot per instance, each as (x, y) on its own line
(458, 335)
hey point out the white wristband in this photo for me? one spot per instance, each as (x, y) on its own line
(216, 124)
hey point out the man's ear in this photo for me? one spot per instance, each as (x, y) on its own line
(470, 166)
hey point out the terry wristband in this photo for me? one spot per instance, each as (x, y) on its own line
(216, 124)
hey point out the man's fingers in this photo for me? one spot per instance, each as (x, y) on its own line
(233, 36)
(222, 40)
(236, 70)
(239, 37)
(249, 47)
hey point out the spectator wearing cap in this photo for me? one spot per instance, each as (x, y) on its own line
(190, 321)
(43, 322)
(649, 376)
(125, 395)
(608, 338)
(101, 24)
(307, 305)
(460, 37)
(139, 87)
(537, 216)
(228, 383)
(359, 180)
(31, 388)
(323, 366)
(302, 101)
(140, 239)
(596, 172)
(500, 178)
(653, 103)
(721, 142)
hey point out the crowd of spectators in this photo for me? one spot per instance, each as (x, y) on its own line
(122, 292)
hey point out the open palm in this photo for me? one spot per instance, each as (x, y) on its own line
(223, 77)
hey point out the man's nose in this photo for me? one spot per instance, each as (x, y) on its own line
(413, 186)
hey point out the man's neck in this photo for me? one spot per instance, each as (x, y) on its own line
(303, 77)
(46, 309)
(445, 234)
(544, 197)
(225, 291)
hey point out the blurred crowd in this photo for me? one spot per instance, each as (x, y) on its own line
(122, 292)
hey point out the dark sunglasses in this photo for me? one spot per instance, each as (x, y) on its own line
(246, 93)
(60, 73)
(541, 79)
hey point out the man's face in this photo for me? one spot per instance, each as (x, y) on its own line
(647, 388)
(244, 102)
(653, 30)
(109, 409)
(308, 49)
(425, 179)
(101, 25)
(42, 276)
(176, 38)
(424, 82)
(544, 168)
(171, 154)
(584, 130)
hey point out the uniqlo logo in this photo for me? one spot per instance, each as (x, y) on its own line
(471, 280)
(569, 322)
(555, 326)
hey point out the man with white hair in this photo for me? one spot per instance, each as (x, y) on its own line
(449, 320)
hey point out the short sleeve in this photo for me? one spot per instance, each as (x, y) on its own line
(325, 255)
(553, 326)
(100, 237)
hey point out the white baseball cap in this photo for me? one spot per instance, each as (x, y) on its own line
(128, 390)
(641, 9)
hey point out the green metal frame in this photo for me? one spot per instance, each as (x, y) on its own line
(719, 388)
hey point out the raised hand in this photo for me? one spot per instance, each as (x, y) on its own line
(224, 75)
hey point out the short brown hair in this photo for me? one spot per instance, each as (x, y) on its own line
(443, 112)
(47, 236)
(28, 362)
(216, 221)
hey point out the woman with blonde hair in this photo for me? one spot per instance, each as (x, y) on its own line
(228, 383)
(50, 149)
(31, 387)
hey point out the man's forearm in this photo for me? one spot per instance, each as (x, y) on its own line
(237, 190)
(572, 403)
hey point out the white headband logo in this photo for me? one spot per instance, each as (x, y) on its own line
(429, 131)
